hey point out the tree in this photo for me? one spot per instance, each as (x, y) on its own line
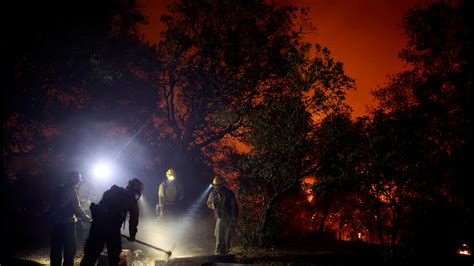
(340, 144)
(74, 79)
(281, 132)
(216, 59)
(435, 98)
(77, 62)
(279, 163)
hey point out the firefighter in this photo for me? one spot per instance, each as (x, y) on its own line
(169, 196)
(65, 211)
(222, 200)
(108, 217)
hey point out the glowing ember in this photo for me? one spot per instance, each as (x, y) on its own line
(307, 186)
(464, 250)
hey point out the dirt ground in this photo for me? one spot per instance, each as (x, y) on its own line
(195, 238)
(304, 254)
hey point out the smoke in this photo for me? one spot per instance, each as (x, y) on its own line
(190, 234)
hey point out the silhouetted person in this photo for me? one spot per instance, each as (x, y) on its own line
(65, 209)
(108, 217)
(222, 201)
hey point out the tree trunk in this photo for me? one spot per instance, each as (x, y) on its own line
(393, 240)
(379, 225)
(264, 219)
(327, 207)
(270, 205)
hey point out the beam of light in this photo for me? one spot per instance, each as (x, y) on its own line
(136, 133)
(149, 232)
(190, 215)
(157, 234)
(144, 207)
(167, 233)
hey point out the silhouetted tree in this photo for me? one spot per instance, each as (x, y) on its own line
(69, 64)
(281, 131)
(433, 100)
(339, 147)
(217, 59)
(75, 75)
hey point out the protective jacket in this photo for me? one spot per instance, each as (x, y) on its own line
(113, 207)
(65, 207)
(222, 200)
(169, 193)
(107, 219)
(224, 204)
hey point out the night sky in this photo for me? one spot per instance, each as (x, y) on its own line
(364, 34)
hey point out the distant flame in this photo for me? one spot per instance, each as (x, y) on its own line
(464, 252)
(307, 186)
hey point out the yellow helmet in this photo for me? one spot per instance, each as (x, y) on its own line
(218, 181)
(170, 174)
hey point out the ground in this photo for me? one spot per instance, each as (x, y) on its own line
(343, 255)
(192, 242)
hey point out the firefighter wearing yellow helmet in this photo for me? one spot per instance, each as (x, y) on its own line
(169, 195)
(222, 200)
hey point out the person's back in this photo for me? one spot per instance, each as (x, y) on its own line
(114, 205)
(169, 195)
(108, 217)
(228, 207)
(171, 192)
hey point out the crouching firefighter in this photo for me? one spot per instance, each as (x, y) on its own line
(222, 201)
(107, 219)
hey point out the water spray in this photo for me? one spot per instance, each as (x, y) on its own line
(193, 210)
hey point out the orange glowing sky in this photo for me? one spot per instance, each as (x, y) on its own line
(364, 34)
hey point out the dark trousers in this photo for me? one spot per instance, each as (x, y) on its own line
(63, 239)
(102, 233)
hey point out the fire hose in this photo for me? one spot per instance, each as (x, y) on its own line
(167, 252)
